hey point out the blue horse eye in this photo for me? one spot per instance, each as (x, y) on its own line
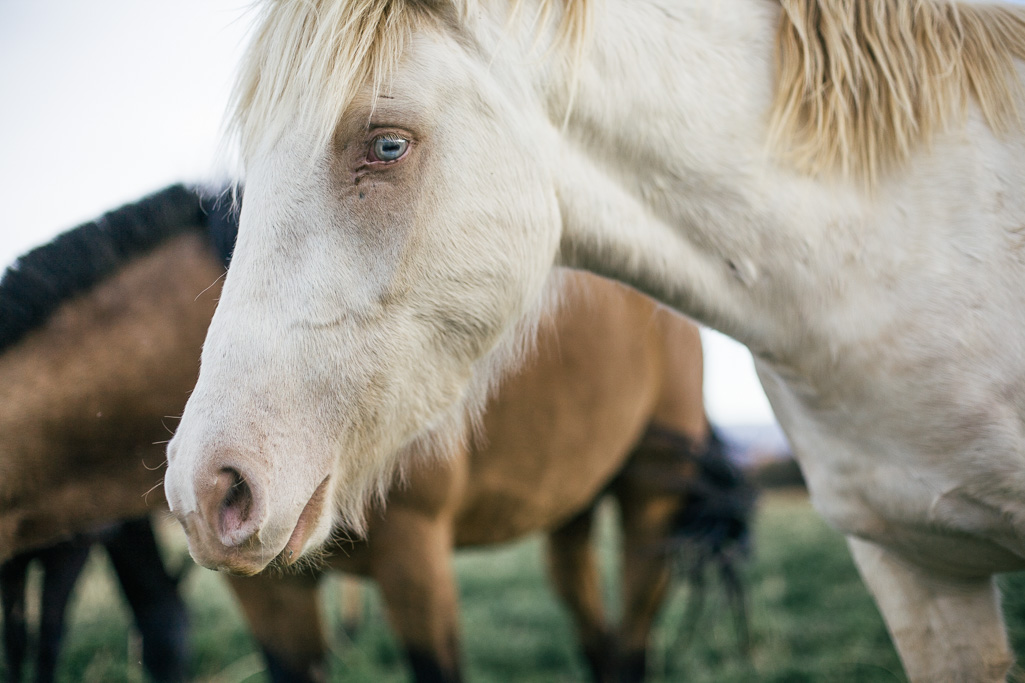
(389, 148)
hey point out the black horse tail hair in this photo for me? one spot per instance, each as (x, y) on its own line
(720, 505)
(711, 532)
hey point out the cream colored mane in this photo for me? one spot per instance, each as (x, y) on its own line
(863, 82)
(309, 58)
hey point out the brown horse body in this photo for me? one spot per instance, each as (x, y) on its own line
(567, 427)
(89, 392)
(88, 396)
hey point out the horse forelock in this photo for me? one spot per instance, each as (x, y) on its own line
(862, 83)
(309, 58)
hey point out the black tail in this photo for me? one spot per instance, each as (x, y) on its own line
(712, 530)
(720, 505)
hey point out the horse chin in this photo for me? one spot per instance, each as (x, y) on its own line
(245, 559)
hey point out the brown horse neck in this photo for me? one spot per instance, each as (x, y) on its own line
(84, 397)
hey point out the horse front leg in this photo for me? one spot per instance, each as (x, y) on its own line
(411, 560)
(573, 568)
(13, 576)
(152, 593)
(284, 615)
(646, 574)
(350, 598)
(945, 629)
(62, 565)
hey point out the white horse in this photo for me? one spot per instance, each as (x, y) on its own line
(838, 184)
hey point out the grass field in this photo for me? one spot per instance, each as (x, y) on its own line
(811, 620)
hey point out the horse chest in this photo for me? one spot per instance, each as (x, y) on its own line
(930, 464)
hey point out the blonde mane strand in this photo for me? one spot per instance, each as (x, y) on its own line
(863, 83)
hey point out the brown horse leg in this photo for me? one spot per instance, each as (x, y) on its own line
(284, 615)
(152, 593)
(351, 603)
(646, 573)
(13, 575)
(411, 560)
(573, 568)
(62, 564)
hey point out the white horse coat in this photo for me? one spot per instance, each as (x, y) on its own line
(880, 287)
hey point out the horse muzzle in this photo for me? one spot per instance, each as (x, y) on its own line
(234, 523)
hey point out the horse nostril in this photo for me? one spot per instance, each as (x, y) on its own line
(235, 516)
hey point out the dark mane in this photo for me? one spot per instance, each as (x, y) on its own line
(37, 283)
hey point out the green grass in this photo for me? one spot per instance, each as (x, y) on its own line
(811, 620)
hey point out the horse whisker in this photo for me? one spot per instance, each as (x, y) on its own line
(154, 469)
(218, 279)
(145, 496)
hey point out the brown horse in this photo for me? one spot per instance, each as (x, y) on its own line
(100, 333)
(611, 402)
(99, 339)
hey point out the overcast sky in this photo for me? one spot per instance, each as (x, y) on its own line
(104, 101)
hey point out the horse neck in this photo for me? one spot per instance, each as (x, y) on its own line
(664, 177)
(97, 378)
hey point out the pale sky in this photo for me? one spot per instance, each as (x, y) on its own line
(102, 102)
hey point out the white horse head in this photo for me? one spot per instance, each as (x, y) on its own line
(400, 224)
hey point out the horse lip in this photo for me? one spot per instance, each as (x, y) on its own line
(305, 525)
(234, 562)
(237, 567)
